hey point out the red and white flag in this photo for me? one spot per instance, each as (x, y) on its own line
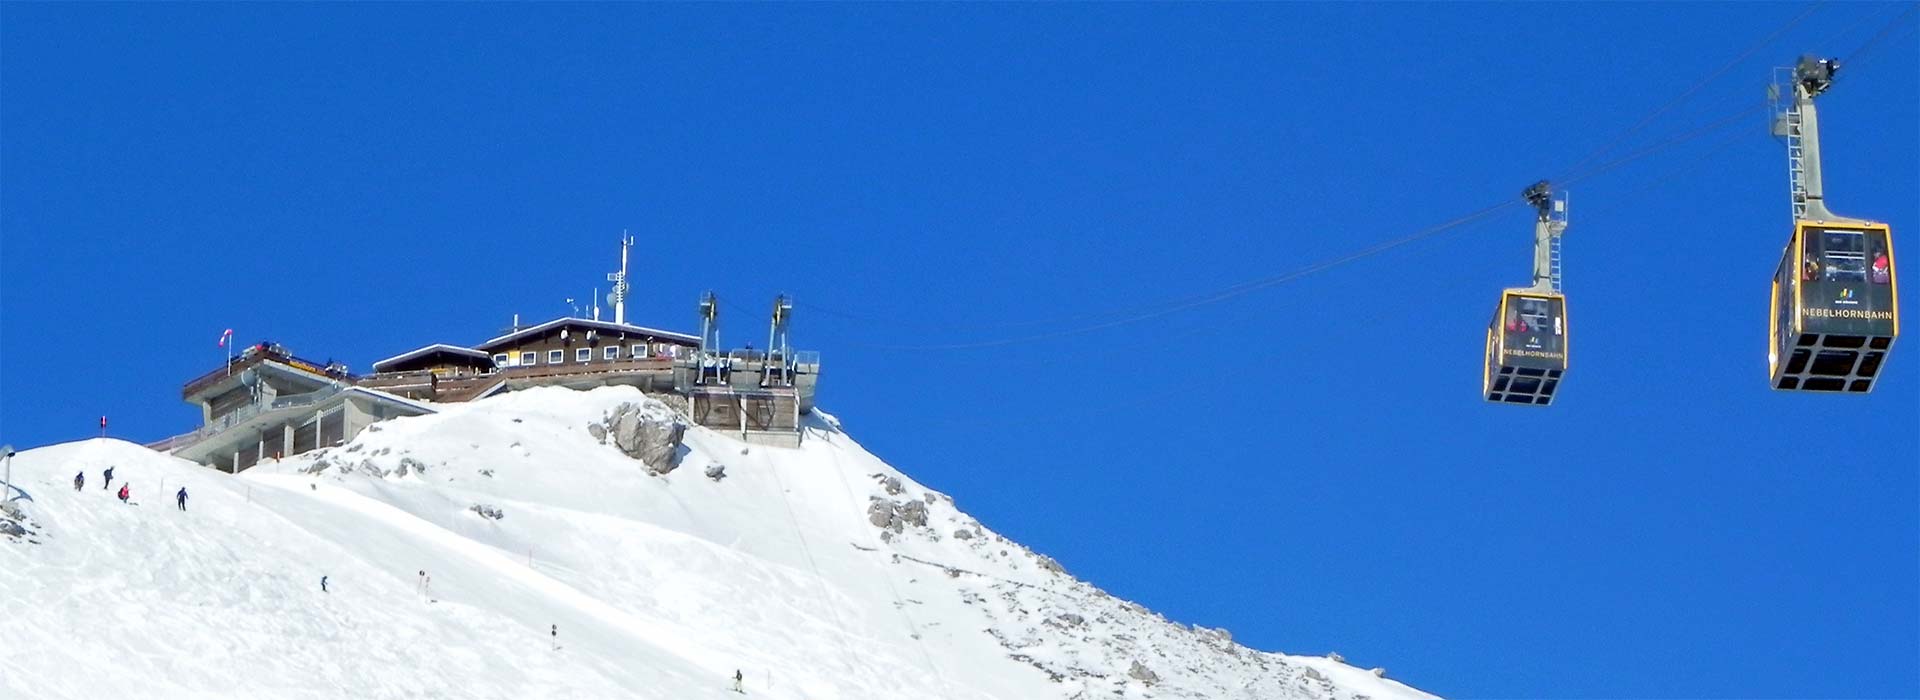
(224, 337)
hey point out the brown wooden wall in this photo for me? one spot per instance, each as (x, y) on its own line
(576, 339)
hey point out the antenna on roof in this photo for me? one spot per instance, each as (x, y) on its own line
(619, 279)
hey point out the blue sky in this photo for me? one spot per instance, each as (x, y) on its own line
(1308, 465)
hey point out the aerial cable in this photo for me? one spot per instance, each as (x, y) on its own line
(1835, 38)
(1255, 285)
(899, 602)
(1689, 169)
(1689, 92)
(1160, 309)
(1874, 41)
(1224, 294)
(1717, 125)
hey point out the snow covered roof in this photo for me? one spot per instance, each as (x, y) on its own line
(589, 323)
(428, 350)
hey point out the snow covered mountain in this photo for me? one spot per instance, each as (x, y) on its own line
(562, 567)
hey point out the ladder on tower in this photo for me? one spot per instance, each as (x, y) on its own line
(1553, 262)
(1788, 123)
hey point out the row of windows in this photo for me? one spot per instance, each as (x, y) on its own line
(554, 357)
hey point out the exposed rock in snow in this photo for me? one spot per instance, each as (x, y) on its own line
(716, 472)
(487, 511)
(409, 465)
(1143, 674)
(646, 432)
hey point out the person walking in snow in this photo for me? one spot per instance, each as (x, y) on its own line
(124, 493)
(109, 482)
(181, 498)
(79, 480)
(323, 583)
(736, 682)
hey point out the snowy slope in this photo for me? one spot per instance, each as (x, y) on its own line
(660, 586)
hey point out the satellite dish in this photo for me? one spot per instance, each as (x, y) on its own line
(250, 377)
(613, 299)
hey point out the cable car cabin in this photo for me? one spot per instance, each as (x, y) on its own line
(1526, 348)
(1836, 307)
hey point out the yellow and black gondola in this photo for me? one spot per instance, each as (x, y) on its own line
(1834, 310)
(1526, 355)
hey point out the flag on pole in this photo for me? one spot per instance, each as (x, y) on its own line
(227, 336)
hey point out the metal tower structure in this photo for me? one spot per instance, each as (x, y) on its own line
(1797, 123)
(618, 297)
(1550, 222)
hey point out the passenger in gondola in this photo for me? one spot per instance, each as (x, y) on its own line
(1809, 268)
(1881, 269)
(1516, 324)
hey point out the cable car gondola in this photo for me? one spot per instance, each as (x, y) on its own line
(1835, 307)
(1527, 340)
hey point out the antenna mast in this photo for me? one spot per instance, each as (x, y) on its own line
(619, 279)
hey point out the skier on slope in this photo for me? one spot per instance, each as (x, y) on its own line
(181, 498)
(79, 480)
(124, 493)
(109, 482)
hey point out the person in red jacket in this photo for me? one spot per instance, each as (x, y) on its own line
(124, 493)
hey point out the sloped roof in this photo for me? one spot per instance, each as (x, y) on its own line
(587, 323)
(428, 350)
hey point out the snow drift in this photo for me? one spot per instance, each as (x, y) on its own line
(560, 566)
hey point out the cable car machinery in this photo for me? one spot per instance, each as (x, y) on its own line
(1527, 339)
(1835, 300)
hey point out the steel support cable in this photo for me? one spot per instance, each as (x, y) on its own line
(1885, 31)
(1689, 92)
(1174, 306)
(1256, 285)
(1138, 313)
(1852, 61)
(1219, 295)
(1866, 19)
(1717, 125)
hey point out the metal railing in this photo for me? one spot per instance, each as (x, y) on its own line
(248, 412)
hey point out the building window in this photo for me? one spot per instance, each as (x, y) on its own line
(583, 355)
(612, 352)
(500, 360)
(526, 359)
(640, 350)
(555, 357)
